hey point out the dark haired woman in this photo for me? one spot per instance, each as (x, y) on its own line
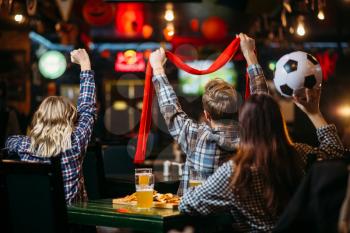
(256, 185)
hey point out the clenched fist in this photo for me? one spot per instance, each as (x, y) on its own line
(157, 59)
(80, 57)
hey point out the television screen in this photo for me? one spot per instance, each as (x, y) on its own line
(194, 84)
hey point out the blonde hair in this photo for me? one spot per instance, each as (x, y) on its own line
(221, 100)
(52, 126)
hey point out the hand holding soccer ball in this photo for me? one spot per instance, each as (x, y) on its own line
(299, 75)
(309, 101)
(295, 72)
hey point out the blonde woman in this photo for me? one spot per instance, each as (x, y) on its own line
(60, 129)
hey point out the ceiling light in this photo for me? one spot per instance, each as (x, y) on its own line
(301, 30)
(19, 18)
(301, 27)
(320, 15)
(169, 15)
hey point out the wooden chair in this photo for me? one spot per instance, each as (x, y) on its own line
(32, 197)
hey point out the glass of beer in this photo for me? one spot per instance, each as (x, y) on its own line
(144, 182)
(197, 177)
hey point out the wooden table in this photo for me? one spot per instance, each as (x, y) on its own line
(104, 213)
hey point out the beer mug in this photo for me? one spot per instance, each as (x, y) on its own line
(197, 177)
(144, 182)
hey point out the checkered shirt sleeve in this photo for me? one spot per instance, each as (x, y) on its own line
(16, 143)
(180, 126)
(330, 146)
(257, 79)
(214, 195)
(86, 109)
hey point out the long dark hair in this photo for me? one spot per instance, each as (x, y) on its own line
(266, 148)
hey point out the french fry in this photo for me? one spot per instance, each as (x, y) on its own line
(158, 198)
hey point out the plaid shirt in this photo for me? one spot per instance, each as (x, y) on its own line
(249, 212)
(205, 148)
(71, 159)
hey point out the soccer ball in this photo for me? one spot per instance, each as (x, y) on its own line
(296, 71)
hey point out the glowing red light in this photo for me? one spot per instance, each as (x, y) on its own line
(129, 19)
(129, 61)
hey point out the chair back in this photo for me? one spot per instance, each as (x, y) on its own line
(316, 204)
(93, 170)
(32, 197)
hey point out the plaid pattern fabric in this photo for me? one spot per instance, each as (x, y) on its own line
(72, 159)
(205, 148)
(248, 212)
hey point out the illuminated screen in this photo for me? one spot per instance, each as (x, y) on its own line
(194, 84)
(129, 61)
(52, 64)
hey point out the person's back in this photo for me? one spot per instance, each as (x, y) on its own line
(60, 129)
(206, 146)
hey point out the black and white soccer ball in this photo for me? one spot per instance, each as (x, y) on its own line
(296, 71)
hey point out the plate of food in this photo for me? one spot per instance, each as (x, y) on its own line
(166, 201)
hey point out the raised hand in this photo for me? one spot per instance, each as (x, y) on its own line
(81, 57)
(308, 101)
(157, 60)
(248, 48)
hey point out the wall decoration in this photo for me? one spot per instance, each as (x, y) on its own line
(130, 61)
(147, 31)
(31, 7)
(52, 64)
(194, 24)
(169, 32)
(51, 89)
(98, 13)
(65, 8)
(67, 32)
(129, 19)
(328, 63)
(105, 53)
(214, 28)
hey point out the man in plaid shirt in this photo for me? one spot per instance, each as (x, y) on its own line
(206, 146)
(72, 158)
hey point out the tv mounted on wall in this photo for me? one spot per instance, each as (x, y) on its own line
(194, 84)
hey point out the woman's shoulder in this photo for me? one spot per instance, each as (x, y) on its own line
(302, 148)
(19, 139)
(226, 169)
(17, 143)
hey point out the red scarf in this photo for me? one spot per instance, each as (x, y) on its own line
(146, 115)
